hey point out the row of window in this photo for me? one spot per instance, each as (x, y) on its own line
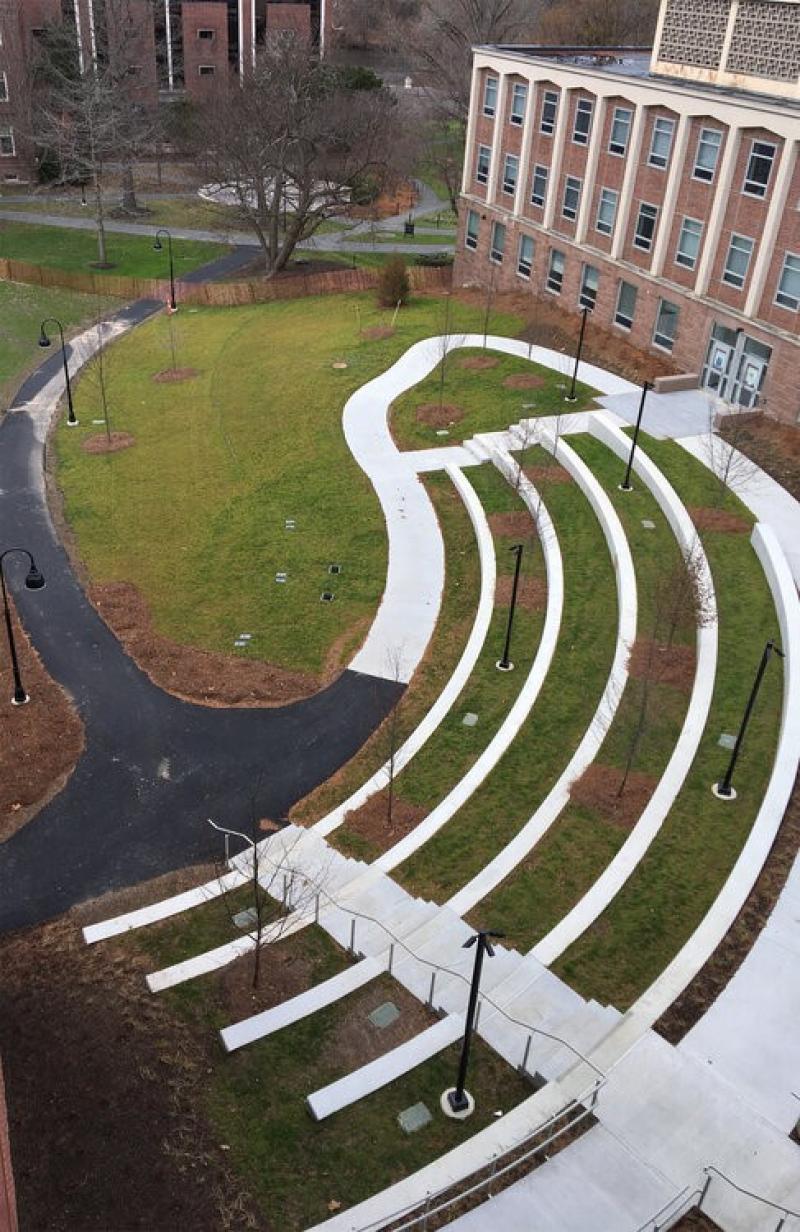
(734, 272)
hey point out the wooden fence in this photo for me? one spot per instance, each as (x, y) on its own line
(220, 294)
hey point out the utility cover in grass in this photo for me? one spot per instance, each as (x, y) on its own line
(384, 1015)
(727, 741)
(470, 719)
(414, 1118)
(246, 919)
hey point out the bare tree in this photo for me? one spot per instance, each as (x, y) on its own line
(96, 374)
(732, 467)
(447, 342)
(598, 23)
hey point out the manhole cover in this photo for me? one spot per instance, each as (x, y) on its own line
(384, 1015)
(246, 919)
(469, 719)
(414, 1118)
(727, 741)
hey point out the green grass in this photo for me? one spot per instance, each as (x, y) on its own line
(222, 460)
(22, 309)
(202, 928)
(559, 717)
(576, 849)
(74, 251)
(453, 748)
(444, 242)
(483, 398)
(676, 882)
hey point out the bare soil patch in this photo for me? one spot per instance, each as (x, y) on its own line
(532, 592)
(511, 525)
(524, 380)
(171, 375)
(598, 789)
(706, 518)
(376, 333)
(774, 445)
(436, 416)
(673, 665)
(696, 1221)
(370, 820)
(40, 743)
(542, 475)
(102, 443)
(203, 676)
(478, 363)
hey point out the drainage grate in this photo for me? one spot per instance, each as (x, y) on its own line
(334, 568)
(327, 596)
(281, 577)
(384, 1015)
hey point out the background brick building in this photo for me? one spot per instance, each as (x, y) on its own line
(661, 190)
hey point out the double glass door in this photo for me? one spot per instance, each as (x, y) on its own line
(736, 367)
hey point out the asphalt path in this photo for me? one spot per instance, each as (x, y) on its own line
(154, 767)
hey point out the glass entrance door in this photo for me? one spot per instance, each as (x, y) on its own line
(736, 366)
(717, 371)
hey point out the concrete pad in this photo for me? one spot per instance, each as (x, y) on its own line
(666, 416)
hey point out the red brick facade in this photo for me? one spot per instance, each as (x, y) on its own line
(205, 47)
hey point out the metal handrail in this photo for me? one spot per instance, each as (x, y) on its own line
(684, 1199)
(783, 1210)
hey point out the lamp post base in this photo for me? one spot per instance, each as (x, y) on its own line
(457, 1112)
(20, 699)
(72, 423)
(504, 667)
(625, 487)
(724, 795)
(568, 399)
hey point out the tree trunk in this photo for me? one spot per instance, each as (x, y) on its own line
(128, 201)
(102, 258)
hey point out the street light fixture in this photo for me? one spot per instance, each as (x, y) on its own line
(158, 247)
(457, 1102)
(626, 485)
(724, 790)
(33, 581)
(44, 341)
(504, 664)
(572, 396)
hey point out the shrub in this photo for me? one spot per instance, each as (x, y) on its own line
(393, 284)
(364, 189)
(434, 259)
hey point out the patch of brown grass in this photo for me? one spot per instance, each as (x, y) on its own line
(370, 821)
(673, 665)
(478, 363)
(514, 525)
(598, 789)
(531, 594)
(108, 443)
(170, 375)
(435, 416)
(706, 518)
(524, 380)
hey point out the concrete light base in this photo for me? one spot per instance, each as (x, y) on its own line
(449, 1111)
(21, 701)
(719, 794)
(625, 487)
(504, 667)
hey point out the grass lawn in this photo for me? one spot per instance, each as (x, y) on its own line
(133, 256)
(676, 882)
(22, 309)
(484, 401)
(444, 242)
(570, 694)
(222, 460)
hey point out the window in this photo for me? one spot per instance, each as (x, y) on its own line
(471, 233)
(539, 185)
(590, 279)
(7, 147)
(490, 97)
(788, 295)
(482, 166)
(206, 35)
(645, 227)
(661, 142)
(583, 121)
(547, 124)
(606, 211)
(519, 97)
(707, 156)
(626, 305)
(206, 70)
(620, 130)
(572, 196)
(666, 325)
(689, 243)
(737, 261)
(498, 242)
(3, 88)
(759, 169)
(555, 271)
(510, 174)
(525, 259)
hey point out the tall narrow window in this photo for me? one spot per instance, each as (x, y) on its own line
(620, 130)
(472, 229)
(590, 280)
(555, 271)
(7, 147)
(645, 227)
(666, 325)
(510, 174)
(539, 185)
(572, 197)
(498, 242)
(788, 294)
(3, 88)
(547, 124)
(606, 211)
(737, 261)
(689, 243)
(705, 160)
(759, 169)
(661, 142)
(490, 96)
(525, 259)
(519, 97)
(583, 121)
(626, 305)
(483, 163)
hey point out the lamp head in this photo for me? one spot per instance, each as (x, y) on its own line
(44, 341)
(35, 579)
(158, 245)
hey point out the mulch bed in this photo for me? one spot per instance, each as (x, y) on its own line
(436, 416)
(598, 788)
(370, 820)
(203, 676)
(478, 363)
(673, 665)
(39, 743)
(774, 445)
(524, 380)
(532, 592)
(511, 525)
(707, 518)
(108, 443)
(170, 375)
(540, 476)
(376, 333)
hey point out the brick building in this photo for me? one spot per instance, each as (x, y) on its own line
(659, 189)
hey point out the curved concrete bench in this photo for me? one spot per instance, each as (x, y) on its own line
(167, 907)
(506, 861)
(462, 672)
(614, 876)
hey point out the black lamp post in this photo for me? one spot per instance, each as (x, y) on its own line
(457, 1098)
(725, 788)
(33, 581)
(505, 664)
(44, 341)
(158, 246)
(572, 396)
(626, 485)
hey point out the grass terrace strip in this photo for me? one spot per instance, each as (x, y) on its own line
(488, 693)
(676, 882)
(73, 250)
(563, 709)
(595, 824)
(478, 398)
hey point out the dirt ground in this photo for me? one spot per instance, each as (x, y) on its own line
(531, 593)
(478, 363)
(436, 416)
(524, 380)
(775, 446)
(597, 789)
(113, 443)
(540, 476)
(172, 375)
(370, 820)
(673, 665)
(39, 743)
(511, 525)
(707, 518)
